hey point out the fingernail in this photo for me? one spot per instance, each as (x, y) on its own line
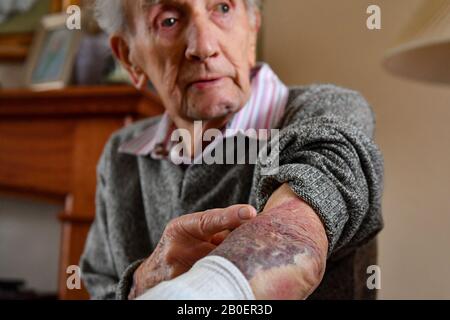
(245, 213)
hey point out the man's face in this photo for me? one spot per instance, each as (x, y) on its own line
(197, 53)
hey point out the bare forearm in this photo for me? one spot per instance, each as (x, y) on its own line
(282, 252)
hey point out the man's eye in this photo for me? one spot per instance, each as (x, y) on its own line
(224, 8)
(169, 22)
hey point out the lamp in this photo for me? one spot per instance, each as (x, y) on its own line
(423, 50)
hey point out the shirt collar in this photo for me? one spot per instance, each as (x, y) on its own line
(264, 110)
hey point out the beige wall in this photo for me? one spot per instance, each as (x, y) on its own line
(309, 41)
(29, 243)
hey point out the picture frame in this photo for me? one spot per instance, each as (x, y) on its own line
(16, 34)
(52, 55)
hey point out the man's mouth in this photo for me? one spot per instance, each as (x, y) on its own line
(206, 83)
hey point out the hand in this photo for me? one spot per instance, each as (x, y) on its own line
(186, 240)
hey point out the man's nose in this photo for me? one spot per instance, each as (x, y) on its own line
(202, 43)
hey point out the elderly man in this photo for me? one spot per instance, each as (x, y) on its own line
(165, 230)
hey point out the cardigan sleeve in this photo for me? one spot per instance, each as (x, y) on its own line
(326, 153)
(98, 270)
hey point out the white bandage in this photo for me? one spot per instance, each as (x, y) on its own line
(211, 278)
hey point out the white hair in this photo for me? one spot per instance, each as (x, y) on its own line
(111, 16)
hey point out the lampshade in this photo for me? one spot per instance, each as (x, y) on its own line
(423, 50)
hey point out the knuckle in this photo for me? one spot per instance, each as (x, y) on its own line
(171, 228)
(171, 224)
(224, 219)
(204, 221)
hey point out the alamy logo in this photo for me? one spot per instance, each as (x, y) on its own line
(374, 20)
(74, 279)
(374, 279)
(226, 147)
(73, 21)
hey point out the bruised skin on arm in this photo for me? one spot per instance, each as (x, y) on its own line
(283, 251)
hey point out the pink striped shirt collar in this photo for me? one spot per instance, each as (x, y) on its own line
(264, 110)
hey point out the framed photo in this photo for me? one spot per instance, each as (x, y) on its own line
(52, 54)
(18, 23)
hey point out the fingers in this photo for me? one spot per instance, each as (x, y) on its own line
(204, 225)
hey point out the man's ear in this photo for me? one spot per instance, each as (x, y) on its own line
(121, 50)
(255, 28)
(257, 20)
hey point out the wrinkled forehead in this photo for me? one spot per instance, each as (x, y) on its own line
(146, 3)
(135, 6)
(138, 5)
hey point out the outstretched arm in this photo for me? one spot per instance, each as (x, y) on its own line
(282, 252)
(329, 159)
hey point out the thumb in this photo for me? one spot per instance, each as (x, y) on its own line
(204, 225)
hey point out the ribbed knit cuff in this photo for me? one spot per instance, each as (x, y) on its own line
(211, 278)
(126, 281)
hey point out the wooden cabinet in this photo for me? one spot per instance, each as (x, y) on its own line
(50, 143)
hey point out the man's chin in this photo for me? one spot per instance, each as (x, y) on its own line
(212, 112)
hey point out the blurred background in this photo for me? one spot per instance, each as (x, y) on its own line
(45, 210)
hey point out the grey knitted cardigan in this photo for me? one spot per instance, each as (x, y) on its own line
(327, 155)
